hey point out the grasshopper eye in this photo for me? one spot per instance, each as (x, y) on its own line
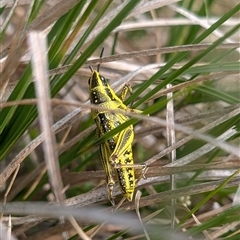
(104, 81)
(89, 81)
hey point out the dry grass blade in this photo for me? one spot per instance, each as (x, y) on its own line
(10, 186)
(6, 21)
(194, 217)
(169, 22)
(171, 139)
(225, 229)
(51, 15)
(137, 199)
(5, 234)
(145, 53)
(12, 59)
(79, 230)
(9, 229)
(148, 6)
(38, 48)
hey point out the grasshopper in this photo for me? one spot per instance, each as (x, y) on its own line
(116, 153)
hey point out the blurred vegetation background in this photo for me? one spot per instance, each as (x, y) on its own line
(181, 59)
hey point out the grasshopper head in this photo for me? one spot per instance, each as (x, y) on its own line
(96, 80)
(99, 89)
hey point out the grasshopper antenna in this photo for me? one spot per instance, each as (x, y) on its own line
(101, 54)
(91, 68)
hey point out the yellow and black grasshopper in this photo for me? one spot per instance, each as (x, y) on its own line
(116, 152)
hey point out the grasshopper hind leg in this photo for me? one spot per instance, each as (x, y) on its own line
(110, 185)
